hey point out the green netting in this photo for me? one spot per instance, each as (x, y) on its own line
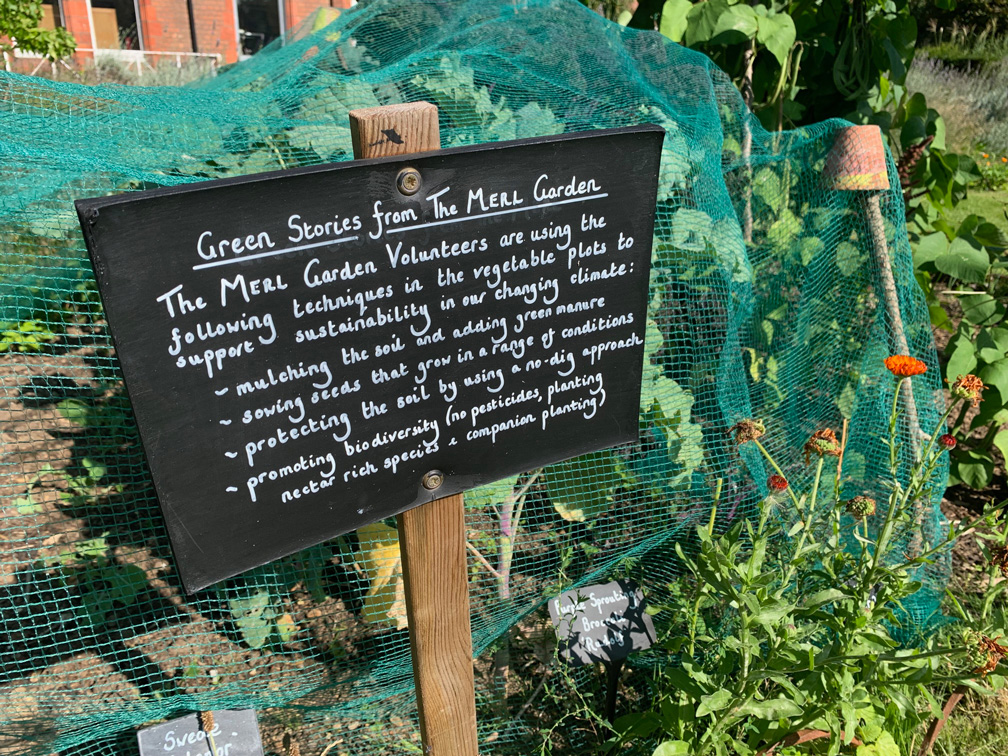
(783, 321)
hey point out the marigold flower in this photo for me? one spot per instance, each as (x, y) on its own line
(903, 366)
(999, 559)
(947, 441)
(968, 387)
(861, 506)
(984, 154)
(747, 430)
(1004, 160)
(823, 444)
(777, 483)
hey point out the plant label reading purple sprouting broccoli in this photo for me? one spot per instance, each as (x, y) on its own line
(216, 733)
(601, 623)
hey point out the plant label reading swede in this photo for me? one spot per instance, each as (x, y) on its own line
(601, 623)
(233, 733)
(300, 348)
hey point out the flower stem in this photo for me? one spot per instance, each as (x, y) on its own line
(777, 469)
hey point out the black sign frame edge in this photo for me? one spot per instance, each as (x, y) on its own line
(88, 205)
(88, 209)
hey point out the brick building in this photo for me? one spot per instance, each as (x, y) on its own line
(230, 29)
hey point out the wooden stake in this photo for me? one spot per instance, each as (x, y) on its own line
(431, 536)
(857, 162)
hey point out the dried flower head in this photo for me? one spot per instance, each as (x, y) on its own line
(985, 654)
(861, 506)
(903, 366)
(747, 430)
(968, 387)
(822, 444)
(206, 721)
(999, 559)
(777, 483)
(947, 441)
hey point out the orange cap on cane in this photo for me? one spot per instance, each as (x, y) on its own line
(857, 161)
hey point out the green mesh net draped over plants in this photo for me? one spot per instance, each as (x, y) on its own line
(767, 302)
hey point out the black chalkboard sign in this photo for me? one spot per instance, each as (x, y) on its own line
(601, 623)
(232, 733)
(300, 348)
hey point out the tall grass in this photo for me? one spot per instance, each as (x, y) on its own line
(974, 104)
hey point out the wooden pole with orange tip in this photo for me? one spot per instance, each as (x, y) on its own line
(857, 162)
(432, 536)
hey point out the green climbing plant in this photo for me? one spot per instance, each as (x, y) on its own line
(20, 23)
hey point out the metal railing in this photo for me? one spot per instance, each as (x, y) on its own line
(129, 58)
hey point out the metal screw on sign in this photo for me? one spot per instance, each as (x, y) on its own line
(408, 182)
(432, 480)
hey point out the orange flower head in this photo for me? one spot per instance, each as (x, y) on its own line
(777, 483)
(984, 154)
(747, 430)
(1004, 160)
(903, 366)
(822, 444)
(968, 387)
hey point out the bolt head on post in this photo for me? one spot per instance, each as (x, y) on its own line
(432, 480)
(408, 181)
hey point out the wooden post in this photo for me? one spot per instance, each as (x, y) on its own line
(857, 163)
(431, 536)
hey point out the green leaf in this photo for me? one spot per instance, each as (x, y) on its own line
(964, 261)
(581, 488)
(772, 613)
(846, 400)
(737, 24)
(962, 358)
(826, 596)
(996, 375)
(1001, 442)
(26, 506)
(255, 630)
(767, 186)
(884, 746)
(286, 628)
(702, 21)
(385, 602)
(534, 120)
(74, 410)
(929, 248)
(972, 468)
(714, 702)
(848, 258)
(809, 247)
(772, 709)
(127, 581)
(777, 33)
(981, 309)
(674, 19)
(253, 617)
(672, 748)
(492, 494)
